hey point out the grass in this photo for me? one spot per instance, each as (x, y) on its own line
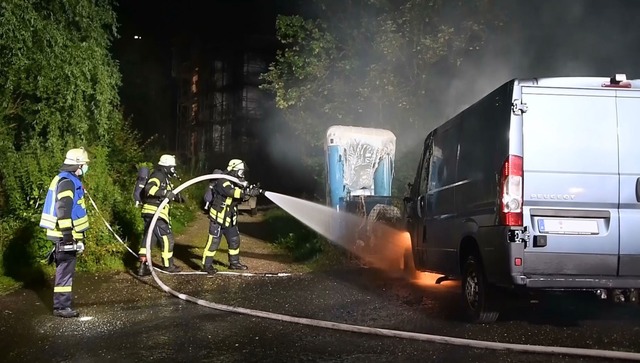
(304, 244)
(7, 285)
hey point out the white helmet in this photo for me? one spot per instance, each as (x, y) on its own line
(237, 166)
(167, 160)
(76, 157)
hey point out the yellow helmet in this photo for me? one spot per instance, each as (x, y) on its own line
(76, 157)
(167, 160)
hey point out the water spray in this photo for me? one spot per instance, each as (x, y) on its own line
(385, 250)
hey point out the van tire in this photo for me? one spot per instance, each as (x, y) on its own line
(478, 296)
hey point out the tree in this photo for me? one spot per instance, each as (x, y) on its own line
(373, 63)
(59, 90)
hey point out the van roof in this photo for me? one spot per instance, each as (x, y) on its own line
(349, 132)
(577, 82)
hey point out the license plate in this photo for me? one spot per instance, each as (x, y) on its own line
(567, 226)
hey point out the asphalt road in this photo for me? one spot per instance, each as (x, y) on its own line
(128, 320)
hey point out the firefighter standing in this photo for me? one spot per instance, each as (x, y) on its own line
(157, 188)
(222, 199)
(65, 219)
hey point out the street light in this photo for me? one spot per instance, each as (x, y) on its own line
(137, 37)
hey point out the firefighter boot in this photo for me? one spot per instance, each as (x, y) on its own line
(65, 313)
(234, 263)
(171, 269)
(143, 269)
(237, 266)
(210, 270)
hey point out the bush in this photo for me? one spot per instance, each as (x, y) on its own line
(292, 235)
(60, 91)
(23, 248)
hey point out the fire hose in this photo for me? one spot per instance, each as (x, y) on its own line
(524, 348)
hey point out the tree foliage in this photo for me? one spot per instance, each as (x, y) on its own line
(60, 90)
(373, 63)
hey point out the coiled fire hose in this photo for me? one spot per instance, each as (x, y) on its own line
(524, 348)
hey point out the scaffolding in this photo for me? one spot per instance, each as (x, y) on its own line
(219, 103)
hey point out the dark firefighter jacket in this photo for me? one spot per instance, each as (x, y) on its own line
(224, 197)
(157, 187)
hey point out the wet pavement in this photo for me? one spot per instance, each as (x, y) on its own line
(124, 319)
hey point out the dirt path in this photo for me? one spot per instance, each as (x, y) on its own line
(255, 251)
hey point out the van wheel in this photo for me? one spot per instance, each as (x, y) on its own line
(479, 296)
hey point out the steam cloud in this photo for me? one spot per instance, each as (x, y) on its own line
(538, 39)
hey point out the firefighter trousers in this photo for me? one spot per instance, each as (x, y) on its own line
(63, 281)
(231, 234)
(163, 235)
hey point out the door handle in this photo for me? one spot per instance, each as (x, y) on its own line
(638, 190)
(419, 206)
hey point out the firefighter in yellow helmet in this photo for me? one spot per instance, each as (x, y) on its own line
(64, 217)
(222, 198)
(157, 188)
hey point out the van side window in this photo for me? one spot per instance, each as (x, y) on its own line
(426, 166)
(443, 163)
(436, 169)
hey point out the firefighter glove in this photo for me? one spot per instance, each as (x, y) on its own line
(253, 191)
(170, 195)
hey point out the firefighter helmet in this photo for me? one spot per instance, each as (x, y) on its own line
(167, 160)
(77, 156)
(236, 167)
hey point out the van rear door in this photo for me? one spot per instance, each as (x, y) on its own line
(571, 181)
(629, 145)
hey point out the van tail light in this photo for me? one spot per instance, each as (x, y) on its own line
(511, 179)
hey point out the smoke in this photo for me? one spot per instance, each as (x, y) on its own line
(539, 39)
(536, 39)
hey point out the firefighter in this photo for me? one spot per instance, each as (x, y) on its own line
(157, 188)
(65, 219)
(222, 198)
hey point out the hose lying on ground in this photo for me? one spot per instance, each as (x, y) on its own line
(597, 353)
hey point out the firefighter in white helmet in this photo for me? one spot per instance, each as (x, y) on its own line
(222, 198)
(64, 217)
(157, 188)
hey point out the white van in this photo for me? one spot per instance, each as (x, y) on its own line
(537, 185)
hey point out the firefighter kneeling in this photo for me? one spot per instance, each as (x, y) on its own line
(222, 199)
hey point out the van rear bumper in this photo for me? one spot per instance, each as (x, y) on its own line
(576, 282)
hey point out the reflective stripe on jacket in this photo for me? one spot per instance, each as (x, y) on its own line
(55, 217)
(155, 191)
(224, 207)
